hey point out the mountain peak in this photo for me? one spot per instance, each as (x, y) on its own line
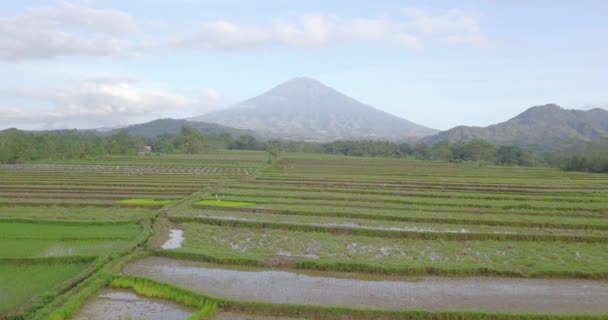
(300, 86)
(305, 109)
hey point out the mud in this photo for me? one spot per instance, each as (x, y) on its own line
(119, 304)
(429, 293)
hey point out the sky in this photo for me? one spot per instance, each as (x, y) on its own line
(93, 63)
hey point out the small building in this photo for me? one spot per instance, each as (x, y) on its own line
(146, 150)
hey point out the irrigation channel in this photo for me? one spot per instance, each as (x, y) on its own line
(428, 293)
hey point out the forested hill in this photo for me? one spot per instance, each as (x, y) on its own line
(174, 126)
(548, 127)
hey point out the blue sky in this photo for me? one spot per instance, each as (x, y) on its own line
(437, 63)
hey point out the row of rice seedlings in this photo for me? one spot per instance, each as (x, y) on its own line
(75, 203)
(397, 185)
(340, 230)
(80, 231)
(221, 213)
(425, 170)
(349, 205)
(407, 217)
(422, 194)
(103, 178)
(312, 197)
(116, 183)
(74, 216)
(93, 188)
(92, 196)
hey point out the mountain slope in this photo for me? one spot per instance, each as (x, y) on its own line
(548, 126)
(173, 126)
(305, 109)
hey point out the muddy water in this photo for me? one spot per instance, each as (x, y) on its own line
(176, 237)
(431, 293)
(118, 304)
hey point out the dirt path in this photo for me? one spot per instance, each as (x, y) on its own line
(432, 293)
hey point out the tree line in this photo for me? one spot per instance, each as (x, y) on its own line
(19, 146)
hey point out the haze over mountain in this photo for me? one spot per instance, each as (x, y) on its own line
(548, 126)
(306, 109)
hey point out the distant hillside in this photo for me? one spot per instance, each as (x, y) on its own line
(173, 126)
(306, 109)
(548, 126)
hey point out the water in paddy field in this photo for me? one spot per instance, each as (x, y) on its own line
(119, 304)
(176, 237)
(430, 293)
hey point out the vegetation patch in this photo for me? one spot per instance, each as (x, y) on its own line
(146, 202)
(224, 203)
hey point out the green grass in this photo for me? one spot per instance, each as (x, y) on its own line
(19, 283)
(146, 202)
(224, 203)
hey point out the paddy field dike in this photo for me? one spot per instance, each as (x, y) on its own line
(230, 236)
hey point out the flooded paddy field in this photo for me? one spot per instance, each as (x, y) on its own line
(117, 304)
(387, 254)
(430, 293)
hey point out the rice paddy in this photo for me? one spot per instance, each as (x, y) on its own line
(77, 223)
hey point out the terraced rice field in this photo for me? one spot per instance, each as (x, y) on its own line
(62, 224)
(308, 237)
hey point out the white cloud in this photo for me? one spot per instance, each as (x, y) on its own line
(453, 26)
(304, 31)
(48, 32)
(71, 29)
(103, 102)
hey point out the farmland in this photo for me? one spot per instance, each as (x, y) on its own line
(77, 224)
